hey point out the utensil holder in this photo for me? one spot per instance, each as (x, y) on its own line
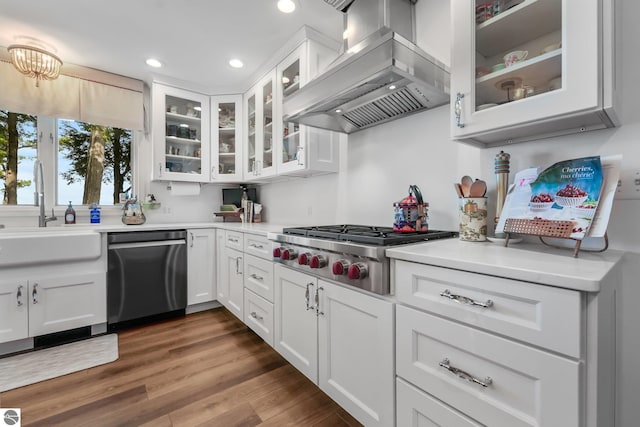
(473, 219)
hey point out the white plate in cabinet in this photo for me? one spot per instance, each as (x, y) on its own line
(491, 379)
(417, 408)
(234, 240)
(542, 315)
(257, 245)
(258, 276)
(258, 315)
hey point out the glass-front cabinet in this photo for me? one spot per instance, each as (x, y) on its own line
(523, 69)
(181, 135)
(226, 138)
(259, 102)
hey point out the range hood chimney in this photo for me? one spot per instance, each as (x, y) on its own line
(381, 76)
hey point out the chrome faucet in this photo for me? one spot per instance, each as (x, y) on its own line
(38, 195)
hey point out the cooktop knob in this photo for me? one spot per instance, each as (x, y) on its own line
(288, 254)
(318, 261)
(277, 252)
(358, 270)
(303, 258)
(340, 267)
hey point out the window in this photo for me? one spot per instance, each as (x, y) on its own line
(91, 163)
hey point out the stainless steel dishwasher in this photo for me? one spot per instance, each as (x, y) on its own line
(147, 275)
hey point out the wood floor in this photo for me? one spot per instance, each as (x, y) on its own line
(205, 369)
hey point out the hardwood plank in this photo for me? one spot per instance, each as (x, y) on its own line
(241, 415)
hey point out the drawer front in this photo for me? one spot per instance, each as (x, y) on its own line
(524, 386)
(258, 276)
(234, 240)
(257, 245)
(258, 315)
(418, 409)
(542, 315)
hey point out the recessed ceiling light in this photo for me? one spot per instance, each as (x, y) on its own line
(286, 6)
(391, 87)
(154, 63)
(236, 63)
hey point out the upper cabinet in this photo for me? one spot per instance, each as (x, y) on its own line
(226, 138)
(259, 102)
(181, 134)
(529, 69)
(302, 150)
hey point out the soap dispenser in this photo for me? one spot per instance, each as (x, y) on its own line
(70, 215)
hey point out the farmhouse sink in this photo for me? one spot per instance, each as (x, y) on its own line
(31, 245)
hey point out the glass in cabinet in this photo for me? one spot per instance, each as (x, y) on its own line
(525, 69)
(226, 138)
(180, 134)
(259, 102)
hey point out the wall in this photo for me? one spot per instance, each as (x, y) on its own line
(383, 161)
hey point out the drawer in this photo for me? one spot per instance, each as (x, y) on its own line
(542, 315)
(258, 315)
(525, 386)
(234, 240)
(258, 276)
(257, 245)
(417, 408)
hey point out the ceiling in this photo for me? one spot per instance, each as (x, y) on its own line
(194, 39)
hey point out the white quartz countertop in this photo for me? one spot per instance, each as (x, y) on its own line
(531, 262)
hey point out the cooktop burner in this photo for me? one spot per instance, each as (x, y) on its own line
(370, 235)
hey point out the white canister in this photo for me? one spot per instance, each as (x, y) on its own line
(473, 219)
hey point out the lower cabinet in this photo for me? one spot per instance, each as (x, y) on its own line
(258, 315)
(201, 286)
(43, 305)
(233, 266)
(341, 339)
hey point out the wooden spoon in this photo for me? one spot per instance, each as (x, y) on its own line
(458, 189)
(465, 184)
(478, 188)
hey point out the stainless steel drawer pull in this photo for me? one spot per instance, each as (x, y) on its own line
(318, 310)
(465, 300)
(253, 245)
(458, 109)
(306, 296)
(19, 295)
(465, 376)
(34, 293)
(233, 240)
(255, 276)
(256, 316)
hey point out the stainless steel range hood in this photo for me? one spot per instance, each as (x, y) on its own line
(382, 76)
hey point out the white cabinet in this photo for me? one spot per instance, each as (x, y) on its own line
(498, 351)
(258, 315)
(226, 138)
(201, 257)
(340, 339)
(222, 272)
(562, 80)
(233, 268)
(43, 304)
(302, 150)
(258, 104)
(258, 276)
(181, 135)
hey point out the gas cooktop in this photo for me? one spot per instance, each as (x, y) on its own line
(365, 234)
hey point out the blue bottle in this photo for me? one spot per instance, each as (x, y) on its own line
(94, 214)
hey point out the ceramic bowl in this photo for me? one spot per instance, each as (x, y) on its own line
(570, 202)
(540, 206)
(514, 57)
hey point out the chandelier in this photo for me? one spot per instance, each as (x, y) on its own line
(35, 62)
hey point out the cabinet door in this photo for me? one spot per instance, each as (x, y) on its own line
(296, 325)
(14, 312)
(222, 269)
(67, 302)
(259, 102)
(181, 135)
(552, 57)
(201, 266)
(493, 380)
(235, 299)
(258, 276)
(355, 344)
(226, 138)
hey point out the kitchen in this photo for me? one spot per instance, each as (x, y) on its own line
(378, 164)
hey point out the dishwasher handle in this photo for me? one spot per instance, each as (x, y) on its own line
(146, 244)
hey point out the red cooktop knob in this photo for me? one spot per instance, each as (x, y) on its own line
(340, 267)
(288, 254)
(318, 261)
(277, 252)
(303, 259)
(358, 271)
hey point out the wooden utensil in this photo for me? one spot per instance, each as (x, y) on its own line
(458, 189)
(465, 184)
(478, 188)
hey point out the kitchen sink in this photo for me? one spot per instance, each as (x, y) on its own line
(20, 246)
